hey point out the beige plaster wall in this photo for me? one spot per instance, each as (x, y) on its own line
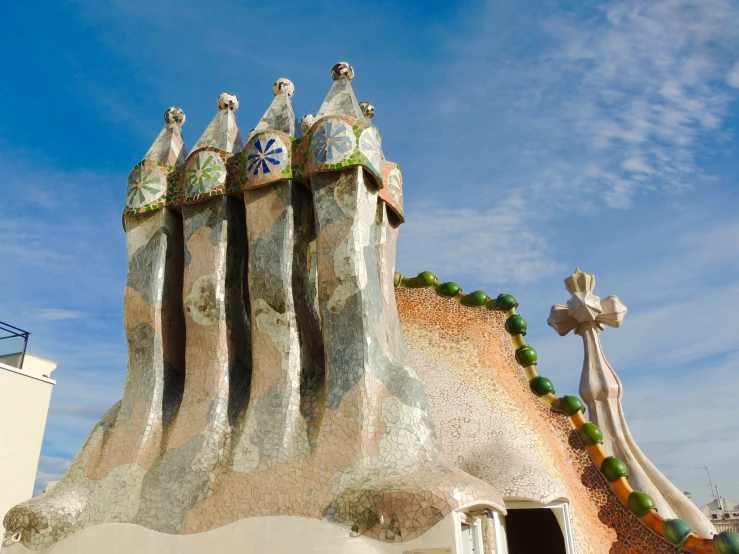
(24, 403)
(37, 367)
(253, 535)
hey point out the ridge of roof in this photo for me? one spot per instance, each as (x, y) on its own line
(677, 532)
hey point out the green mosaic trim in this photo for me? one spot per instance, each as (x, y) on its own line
(173, 188)
(299, 160)
(177, 181)
(674, 531)
(516, 325)
(541, 385)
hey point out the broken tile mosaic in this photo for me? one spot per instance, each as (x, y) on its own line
(275, 369)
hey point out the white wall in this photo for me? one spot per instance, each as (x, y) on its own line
(254, 535)
(24, 403)
(38, 367)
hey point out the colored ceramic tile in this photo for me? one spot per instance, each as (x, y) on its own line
(277, 365)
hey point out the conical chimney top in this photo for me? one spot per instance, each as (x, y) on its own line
(147, 182)
(280, 115)
(223, 133)
(341, 100)
(169, 147)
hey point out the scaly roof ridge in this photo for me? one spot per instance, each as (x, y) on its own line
(677, 532)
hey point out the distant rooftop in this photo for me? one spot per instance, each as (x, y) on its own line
(723, 513)
(721, 506)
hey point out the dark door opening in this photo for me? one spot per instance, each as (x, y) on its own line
(534, 531)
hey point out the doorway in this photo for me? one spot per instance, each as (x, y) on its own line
(534, 531)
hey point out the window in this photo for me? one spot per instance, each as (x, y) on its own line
(714, 516)
(470, 537)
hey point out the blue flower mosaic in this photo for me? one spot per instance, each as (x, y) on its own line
(332, 142)
(266, 156)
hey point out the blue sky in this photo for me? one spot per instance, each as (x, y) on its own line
(534, 136)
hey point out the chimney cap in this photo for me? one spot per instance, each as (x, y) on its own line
(227, 100)
(174, 116)
(283, 86)
(368, 110)
(342, 69)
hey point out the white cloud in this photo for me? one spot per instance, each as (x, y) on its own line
(620, 192)
(732, 77)
(636, 165)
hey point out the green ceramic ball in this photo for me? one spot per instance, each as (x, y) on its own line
(541, 385)
(516, 325)
(450, 289)
(640, 503)
(426, 279)
(505, 302)
(526, 355)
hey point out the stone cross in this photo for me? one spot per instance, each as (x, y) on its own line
(602, 391)
(585, 310)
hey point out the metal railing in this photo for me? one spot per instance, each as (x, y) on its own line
(13, 343)
(726, 526)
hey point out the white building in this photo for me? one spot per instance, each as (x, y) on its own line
(723, 513)
(25, 392)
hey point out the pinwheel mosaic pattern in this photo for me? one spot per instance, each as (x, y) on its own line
(268, 155)
(145, 185)
(370, 144)
(204, 172)
(332, 142)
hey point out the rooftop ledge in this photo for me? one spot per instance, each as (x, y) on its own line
(34, 367)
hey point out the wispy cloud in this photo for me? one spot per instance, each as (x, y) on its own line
(611, 101)
(58, 229)
(491, 245)
(647, 87)
(56, 314)
(732, 76)
(608, 107)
